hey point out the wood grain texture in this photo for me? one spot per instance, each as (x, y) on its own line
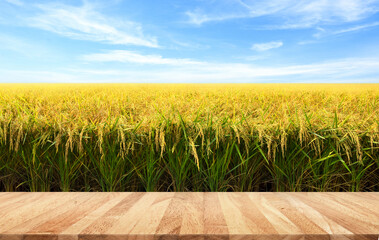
(150, 216)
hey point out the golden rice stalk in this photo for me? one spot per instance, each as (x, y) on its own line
(194, 153)
(121, 139)
(359, 148)
(81, 140)
(157, 140)
(199, 129)
(68, 145)
(162, 142)
(283, 142)
(18, 138)
(100, 134)
(236, 131)
(269, 146)
(246, 140)
(10, 136)
(177, 133)
(5, 134)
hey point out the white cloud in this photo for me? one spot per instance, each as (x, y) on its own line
(186, 69)
(14, 44)
(260, 47)
(321, 32)
(19, 45)
(342, 70)
(219, 10)
(85, 23)
(133, 57)
(288, 13)
(198, 18)
(357, 28)
(306, 42)
(15, 2)
(38, 76)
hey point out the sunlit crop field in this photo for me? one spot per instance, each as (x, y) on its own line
(181, 137)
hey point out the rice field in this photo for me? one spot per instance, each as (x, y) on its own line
(189, 137)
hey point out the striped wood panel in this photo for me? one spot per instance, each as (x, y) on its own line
(111, 216)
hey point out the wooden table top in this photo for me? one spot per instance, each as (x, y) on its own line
(90, 216)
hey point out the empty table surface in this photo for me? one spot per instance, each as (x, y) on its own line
(189, 215)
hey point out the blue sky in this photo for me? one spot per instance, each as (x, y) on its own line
(189, 41)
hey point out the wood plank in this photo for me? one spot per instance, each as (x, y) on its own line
(173, 217)
(355, 221)
(86, 221)
(38, 208)
(151, 216)
(111, 217)
(214, 219)
(281, 223)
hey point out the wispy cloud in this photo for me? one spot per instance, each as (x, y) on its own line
(289, 13)
(214, 11)
(198, 18)
(357, 28)
(133, 57)
(15, 2)
(322, 32)
(22, 46)
(187, 70)
(343, 70)
(306, 42)
(38, 76)
(260, 47)
(85, 23)
(12, 43)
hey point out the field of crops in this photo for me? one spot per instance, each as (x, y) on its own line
(173, 137)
